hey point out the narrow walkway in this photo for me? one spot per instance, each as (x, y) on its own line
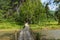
(25, 33)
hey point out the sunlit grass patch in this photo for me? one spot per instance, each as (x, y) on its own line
(47, 26)
(52, 22)
(9, 25)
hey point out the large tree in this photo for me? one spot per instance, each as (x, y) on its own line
(31, 11)
(9, 9)
(57, 11)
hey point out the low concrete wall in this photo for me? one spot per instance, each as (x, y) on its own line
(50, 34)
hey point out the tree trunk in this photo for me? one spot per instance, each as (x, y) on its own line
(59, 21)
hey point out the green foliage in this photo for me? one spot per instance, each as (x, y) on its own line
(31, 11)
(6, 10)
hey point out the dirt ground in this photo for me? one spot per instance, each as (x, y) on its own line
(8, 34)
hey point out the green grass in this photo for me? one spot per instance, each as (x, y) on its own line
(13, 25)
(9, 25)
(47, 25)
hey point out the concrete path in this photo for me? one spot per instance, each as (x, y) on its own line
(50, 34)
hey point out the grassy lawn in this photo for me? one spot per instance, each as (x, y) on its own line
(11, 25)
(46, 26)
